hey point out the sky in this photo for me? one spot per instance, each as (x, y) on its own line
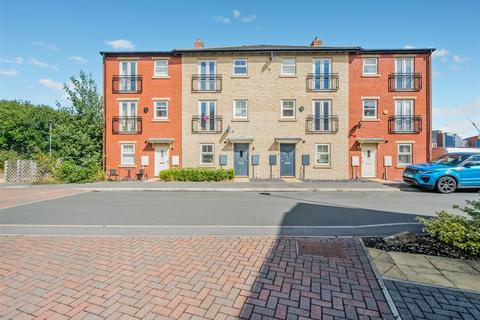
(43, 43)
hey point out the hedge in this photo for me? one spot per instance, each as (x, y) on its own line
(197, 174)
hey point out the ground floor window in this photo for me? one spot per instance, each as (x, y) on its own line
(206, 153)
(404, 154)
(127, 154)
(322, 154)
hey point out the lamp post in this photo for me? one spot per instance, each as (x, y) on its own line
(50, 138)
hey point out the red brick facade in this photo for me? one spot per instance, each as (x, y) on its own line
(376, 132)
(161, 88)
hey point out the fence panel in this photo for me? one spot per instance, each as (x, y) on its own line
(23, 171)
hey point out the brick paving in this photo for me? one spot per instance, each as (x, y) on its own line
(62, 277)
(12, 197)
(417, 301)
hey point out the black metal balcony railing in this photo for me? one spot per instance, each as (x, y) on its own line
(405, 82)
(206, 83)
(405, 124)
(127, 84)
(127, 125)
(207, 124)
(321, 124)
(322, 82)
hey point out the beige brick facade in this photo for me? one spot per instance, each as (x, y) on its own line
(265, 88)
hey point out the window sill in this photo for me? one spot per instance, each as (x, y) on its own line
(240, 76)
(401, 166)
(161, 77)
(370, 120)
(288, 76)
(370, 76)
(207, 165)
(317, 166)
(287, 120)
(160, 120)
(127, 166)
(240, 120)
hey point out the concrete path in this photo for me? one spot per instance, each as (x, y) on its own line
(440, 271)
(187, 278)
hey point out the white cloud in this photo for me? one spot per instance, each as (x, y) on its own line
(249, 18)
(458, 59)
(409, 47)
(18, 60)
(42, 64)
(44, 45)
(436, 74)
(77, 59)
(236, 14)
(121, 44)
(9, 72)
(440, 53)
(50, 84)
(220, 19)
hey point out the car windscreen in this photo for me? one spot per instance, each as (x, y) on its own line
(452, 159)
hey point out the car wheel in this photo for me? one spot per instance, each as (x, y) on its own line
(446, 185)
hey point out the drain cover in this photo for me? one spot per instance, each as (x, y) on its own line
(320, 248)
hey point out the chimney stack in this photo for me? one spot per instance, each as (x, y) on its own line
(198, 44)
(316, 42)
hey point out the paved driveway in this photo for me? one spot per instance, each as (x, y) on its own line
(185, 278)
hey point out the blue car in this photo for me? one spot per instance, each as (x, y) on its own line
(446, 174)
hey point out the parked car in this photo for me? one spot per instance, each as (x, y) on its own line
(447, 173)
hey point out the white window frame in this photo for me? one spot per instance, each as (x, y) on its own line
(404, 153)
(363, 109)
(212, 153)
(235, 109)
(365, 64)
(246, 68)
(283, 64)
(155, 110)
(155, 73)
(282, 109)
(122, 153)
(329, 153)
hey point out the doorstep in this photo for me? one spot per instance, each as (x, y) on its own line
(291, 180)
(241, 179)
(431, 270)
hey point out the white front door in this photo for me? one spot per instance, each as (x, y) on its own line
(369, 161)
(161, 158)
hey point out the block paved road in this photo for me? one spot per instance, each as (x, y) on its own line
(129, 277)
(227, 213)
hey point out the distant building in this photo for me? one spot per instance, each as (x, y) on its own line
(472, 142)
(446, 140)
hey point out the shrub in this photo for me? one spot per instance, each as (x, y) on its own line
(9, 155)
(71, 172)
(197, 174)
(458, 231)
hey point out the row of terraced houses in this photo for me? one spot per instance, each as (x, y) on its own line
(268, 111)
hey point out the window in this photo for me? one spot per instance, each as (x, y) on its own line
(161, 110)
(161, 68)
(127, 154)
(370, 66)
(404, 154)
(206, 154)
(322, 154)
(288, 109)
(288, 67)
(240, 67)
(240, 109)
(370, 109)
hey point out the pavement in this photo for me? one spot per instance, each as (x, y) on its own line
(48, 277)
(432, 270)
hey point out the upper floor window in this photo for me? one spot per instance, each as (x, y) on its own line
(370, 109)
(161, 68)
(370, 66)
(288, 109)
(240, 109)
(404, 74)
(240, 67)
(161, 110)
(288, 67)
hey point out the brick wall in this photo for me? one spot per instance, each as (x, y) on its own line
(168, 88)
(377, 86)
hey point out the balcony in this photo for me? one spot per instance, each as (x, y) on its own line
(127, 125)
(127, 84)
(321, 124)
(322, 82)
(206, 83)
(405, 82)
(404, 124)
(207, 124)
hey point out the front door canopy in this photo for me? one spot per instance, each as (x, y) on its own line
(370, 140)
(287, 139)
(161, 140)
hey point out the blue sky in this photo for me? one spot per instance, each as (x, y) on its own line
(42, 43)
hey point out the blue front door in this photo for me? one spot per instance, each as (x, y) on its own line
(240, 161)
(287, 160)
